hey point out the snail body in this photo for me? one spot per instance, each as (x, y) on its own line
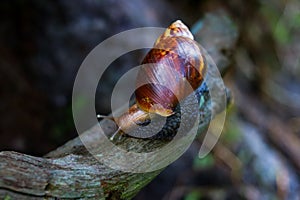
(173, 69)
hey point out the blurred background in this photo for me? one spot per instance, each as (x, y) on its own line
(43, 43)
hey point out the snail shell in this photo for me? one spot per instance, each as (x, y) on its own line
(173, 69)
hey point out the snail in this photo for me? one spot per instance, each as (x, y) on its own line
(173, 69)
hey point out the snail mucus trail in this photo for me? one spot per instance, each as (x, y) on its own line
(173, 69)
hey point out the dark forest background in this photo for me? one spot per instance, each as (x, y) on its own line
(43, 43)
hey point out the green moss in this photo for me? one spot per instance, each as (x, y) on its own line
(135, 185)
(231, 133)
(281, 33)
(296, 20)
(7, 197)
(193, 195)
(203, 163)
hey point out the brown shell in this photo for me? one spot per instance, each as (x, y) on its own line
(172, 70)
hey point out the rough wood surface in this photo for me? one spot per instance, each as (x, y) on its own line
(71, 172)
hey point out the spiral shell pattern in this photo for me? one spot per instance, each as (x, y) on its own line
(175, 67)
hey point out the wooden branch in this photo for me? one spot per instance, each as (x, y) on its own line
(71, 172)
